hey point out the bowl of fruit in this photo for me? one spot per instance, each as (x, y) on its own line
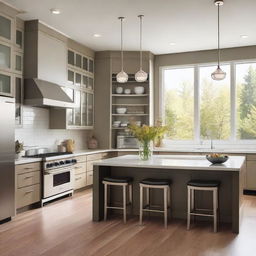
(216, 158)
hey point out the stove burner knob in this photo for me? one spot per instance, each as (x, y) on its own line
(74, 161)
(67, 162)
(62, 162)
(56, 164)
(48, 165)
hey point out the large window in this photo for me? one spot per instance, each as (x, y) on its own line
(197, 108)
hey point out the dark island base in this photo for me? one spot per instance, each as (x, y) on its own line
(230, 191)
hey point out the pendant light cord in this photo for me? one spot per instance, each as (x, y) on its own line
(122, 55)
(218, 35)
(140, 16)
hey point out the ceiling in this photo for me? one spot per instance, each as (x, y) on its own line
(190, 24)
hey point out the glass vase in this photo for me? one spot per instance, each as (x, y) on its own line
(145, 150)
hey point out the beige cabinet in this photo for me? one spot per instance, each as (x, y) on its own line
(251, 174)
(28, 184)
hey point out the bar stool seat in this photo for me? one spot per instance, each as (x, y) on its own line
(125, 183)
(202, 185)
(148, 184)
(156, 182)
(118, 179)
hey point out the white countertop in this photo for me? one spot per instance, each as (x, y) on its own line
(181, 150)
(184, 162)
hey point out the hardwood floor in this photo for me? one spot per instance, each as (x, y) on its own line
(65, 228)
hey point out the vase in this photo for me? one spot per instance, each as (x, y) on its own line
(145, 150)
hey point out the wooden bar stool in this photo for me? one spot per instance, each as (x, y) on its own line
(202, 185)
(155, 184)
(126, 183)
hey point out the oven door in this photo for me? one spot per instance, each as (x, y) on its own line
(58, 181)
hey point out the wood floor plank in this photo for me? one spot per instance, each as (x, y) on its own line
(65, 228)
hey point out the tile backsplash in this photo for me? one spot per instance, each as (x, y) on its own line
(35, 131)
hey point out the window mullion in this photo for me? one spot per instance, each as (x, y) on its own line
(233, 101)
(196, 105)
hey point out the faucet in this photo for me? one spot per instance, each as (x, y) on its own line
(211, 143)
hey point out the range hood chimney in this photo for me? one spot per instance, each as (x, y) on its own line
(40, 93)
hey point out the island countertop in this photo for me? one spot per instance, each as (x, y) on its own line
(184, 162)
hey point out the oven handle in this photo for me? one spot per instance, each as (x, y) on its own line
(60, 171)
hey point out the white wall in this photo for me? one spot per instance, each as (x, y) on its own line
(36, 132)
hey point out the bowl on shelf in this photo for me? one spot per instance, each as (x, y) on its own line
(138, 123)
(127, 91)
(121, 110)
(116, 124)
(124, 124)
(217, 158)
(119, 90)
(139, 89)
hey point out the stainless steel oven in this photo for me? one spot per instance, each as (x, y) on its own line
(58, 180)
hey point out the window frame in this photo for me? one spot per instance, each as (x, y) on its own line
(197, 141)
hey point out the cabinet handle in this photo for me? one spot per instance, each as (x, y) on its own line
(90, 175)
(79, 178)
(28, 168)
(78, 167)
(27, 177)
(28, 192)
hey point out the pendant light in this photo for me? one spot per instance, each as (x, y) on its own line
(122, 77)
(218, 74)
(141, 76)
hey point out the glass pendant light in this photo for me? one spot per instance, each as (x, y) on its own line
(122, 77)
(141, 76)
(218, 74)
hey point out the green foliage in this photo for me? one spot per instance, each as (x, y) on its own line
(248, 126)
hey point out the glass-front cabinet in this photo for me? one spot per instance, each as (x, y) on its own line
(5, 28)
(6, 84)
(18, 100)
(80, 77)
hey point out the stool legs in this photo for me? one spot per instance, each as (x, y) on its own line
(165, 206)
(188, 210)
(124, 203)
(141, 204)
(105, 201)
(215, 205)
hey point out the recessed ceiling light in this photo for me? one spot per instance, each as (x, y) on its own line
(55, 11)
(96, 35)
(172, 43)
(244, 36)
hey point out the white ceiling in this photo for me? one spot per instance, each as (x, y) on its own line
(191, 24)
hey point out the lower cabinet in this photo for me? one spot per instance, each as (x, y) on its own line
(28, 184)
(89, 178)
(251, 175)
(80, 180)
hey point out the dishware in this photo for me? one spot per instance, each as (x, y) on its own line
(139, 90)
(219, 159)
(119, 90)
(138, 123)
(121, 110)
(127, 91)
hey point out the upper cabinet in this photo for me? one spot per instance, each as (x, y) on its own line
(6, 26)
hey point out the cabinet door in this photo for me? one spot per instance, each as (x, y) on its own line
(71, 58)
(91, 66)
(5, 57)
(89, 109)
(78, 60)
(84, 108)
(85, 64)
(18, 100)
(6, 84)
(77, 109)
(19, 38)
(18, 62)
(5, 28)
(90, 83)
(251, 175)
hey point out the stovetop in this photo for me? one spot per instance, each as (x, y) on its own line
(44, 155)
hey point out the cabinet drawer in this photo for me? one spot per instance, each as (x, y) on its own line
(89, 180)
(108, 155)
(94, 157)
(27, 195)
(251, 157)
(251, 175)
(80, 159)
(80, 180)
(90, 165)
(24, 168)
(28, 179)
(80, 168)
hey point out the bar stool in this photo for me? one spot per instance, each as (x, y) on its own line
(154, 184)
(202, 185)
(126, 183)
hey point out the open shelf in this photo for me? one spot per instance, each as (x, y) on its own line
(133, 114)
(129, 95)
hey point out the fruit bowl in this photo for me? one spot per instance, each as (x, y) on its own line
(217, 158)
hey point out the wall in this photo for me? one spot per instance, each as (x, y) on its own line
(36, 132)
(229, 54)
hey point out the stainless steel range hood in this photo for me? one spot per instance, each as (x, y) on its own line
(40, 93)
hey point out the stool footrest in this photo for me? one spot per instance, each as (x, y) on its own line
(151, 210)
(204, 212)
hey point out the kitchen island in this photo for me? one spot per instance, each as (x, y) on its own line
(180, 169)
